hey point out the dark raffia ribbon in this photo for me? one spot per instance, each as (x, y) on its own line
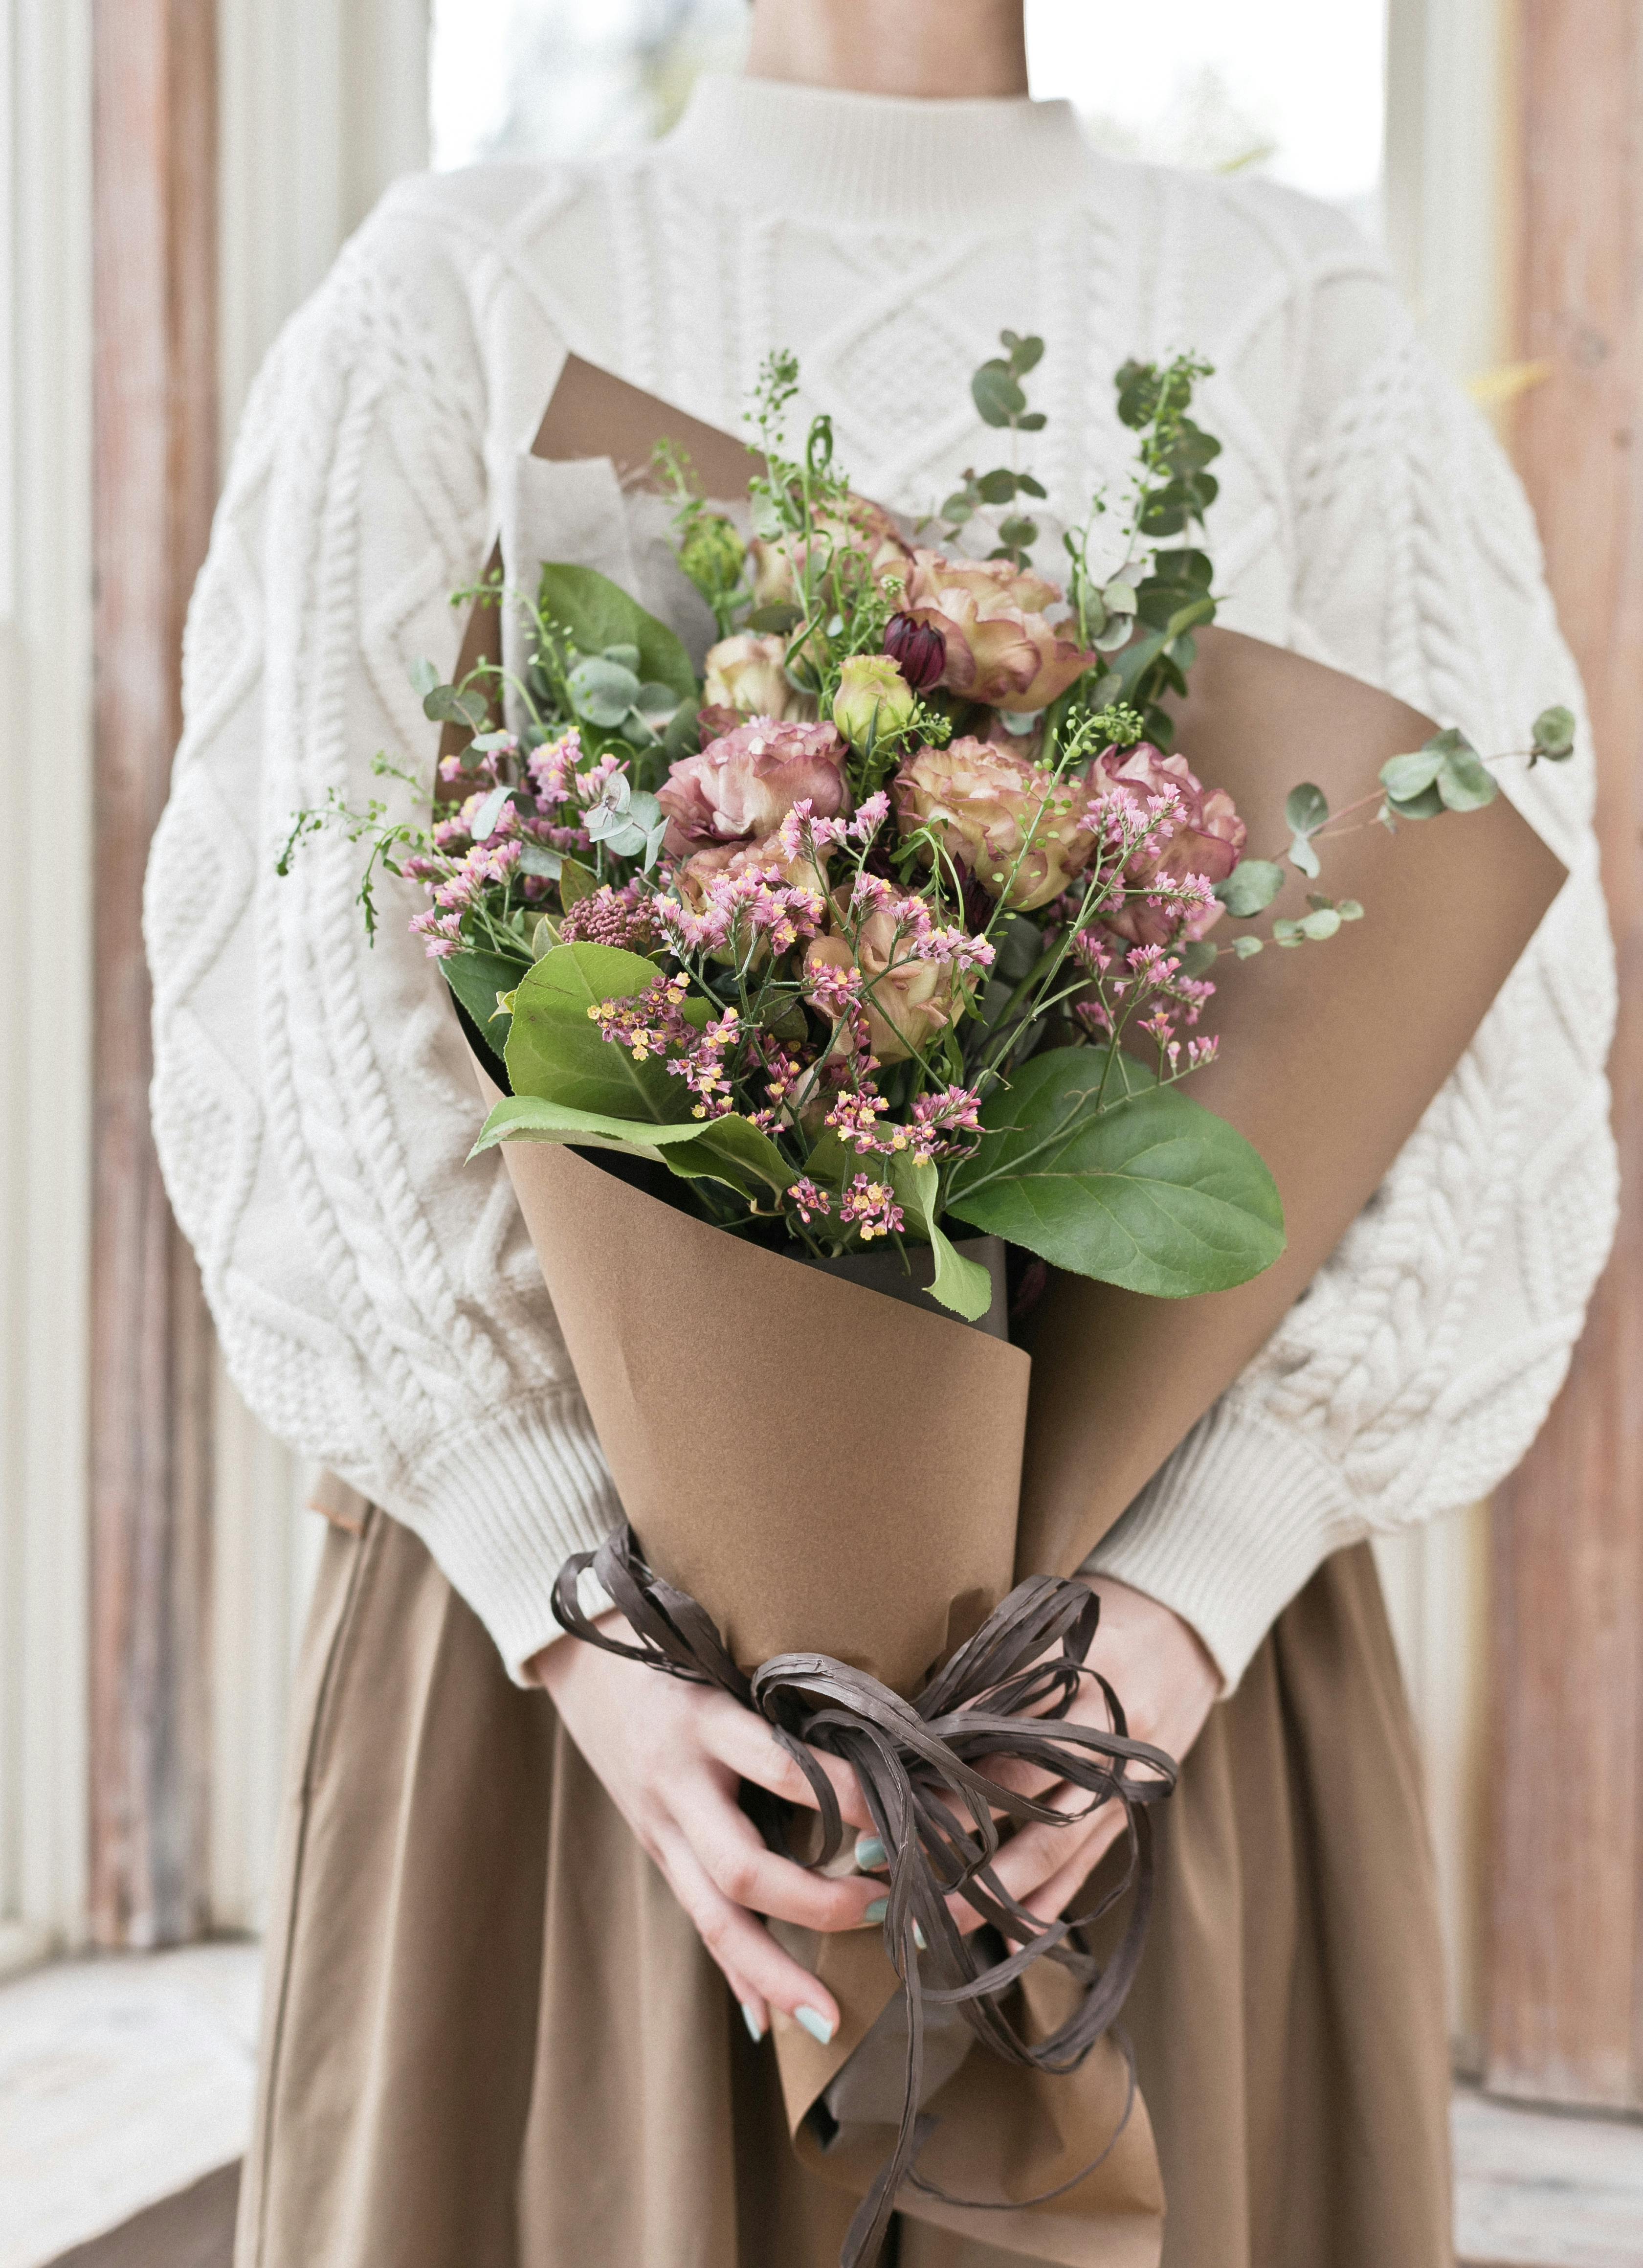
(1003, 1696)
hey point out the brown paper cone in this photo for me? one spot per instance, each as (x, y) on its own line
(819, 1466)
(858, 1497)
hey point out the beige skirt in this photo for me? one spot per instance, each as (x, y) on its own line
(492, 2040)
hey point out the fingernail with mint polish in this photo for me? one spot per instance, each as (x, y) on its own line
(750, 2017)
(876, 1911)
(816, 2024)
(870, 1853)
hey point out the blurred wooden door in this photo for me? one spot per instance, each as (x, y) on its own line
(154, 481)
(1565, 1955)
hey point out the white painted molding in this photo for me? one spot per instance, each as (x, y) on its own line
(1449, 216)
(45, 931)
(322, 104)
(1450, 231)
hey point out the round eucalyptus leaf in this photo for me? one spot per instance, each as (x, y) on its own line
(1554, 733)
(1250, 887)
(603, 691)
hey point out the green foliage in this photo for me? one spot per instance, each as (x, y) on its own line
(598, 614)
(532, 1118)
(1091, 1164)
(1002, 403)
(1306, 810)
(730, 1150)
(962, 1285)
(448, 705)
(555, 1050)
(1553, 737)
(1323, 921)
(1250, 887)
(1448, 773)
(1174, 597)
(478, 980)
(733, 1150)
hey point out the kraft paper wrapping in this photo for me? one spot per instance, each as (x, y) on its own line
(822, 1467)
(861, 1496)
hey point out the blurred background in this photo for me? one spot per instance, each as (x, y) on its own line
(175, 175)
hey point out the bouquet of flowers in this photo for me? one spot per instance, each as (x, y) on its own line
(849, 905)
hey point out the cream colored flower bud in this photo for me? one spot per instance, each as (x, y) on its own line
(874, 700)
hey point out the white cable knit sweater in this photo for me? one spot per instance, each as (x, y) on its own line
(378, 1303)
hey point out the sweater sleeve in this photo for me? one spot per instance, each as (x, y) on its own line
(1415, 1372)
(376, 1299)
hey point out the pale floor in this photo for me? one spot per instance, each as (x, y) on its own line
(123, 2081)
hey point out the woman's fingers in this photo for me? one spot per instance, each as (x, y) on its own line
(745, 1742)
(730, 1849)
(759, 1973)
(1053, 1896)
(1035, 1854)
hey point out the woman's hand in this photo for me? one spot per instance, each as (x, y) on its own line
(671, 1756)
(1158, 1666)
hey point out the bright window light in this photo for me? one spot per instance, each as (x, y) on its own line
(1286, 87)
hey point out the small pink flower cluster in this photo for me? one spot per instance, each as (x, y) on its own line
(654, 1023)
(872, 1206)
(1147, 969)
(803, 835)
(483, 864)
(741, 908)
(855, 1118)
(942, 1124)
(647, 1023)
(904, 931)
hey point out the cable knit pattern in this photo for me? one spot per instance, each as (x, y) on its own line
(378, 1303)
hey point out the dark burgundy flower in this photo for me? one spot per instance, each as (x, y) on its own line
(918, 650)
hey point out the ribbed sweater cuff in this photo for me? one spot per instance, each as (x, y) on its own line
(501, 1504)
(1230, 1530)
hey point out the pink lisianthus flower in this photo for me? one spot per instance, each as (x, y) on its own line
(1002, 649)
(861, 545)
(747, 675)
(1023, 834)
(743, 785)
(906, 990)
(1202, 838)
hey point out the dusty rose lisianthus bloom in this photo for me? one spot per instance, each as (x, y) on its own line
(865, 533)
(1002, 647)
(743, 785)
(748, 673)
(1206, 839)
(983, 803)
(912, 999)
(694, 876)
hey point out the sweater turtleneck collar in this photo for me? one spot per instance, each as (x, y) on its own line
(875, 160)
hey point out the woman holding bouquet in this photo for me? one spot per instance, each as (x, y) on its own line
(515, 1874)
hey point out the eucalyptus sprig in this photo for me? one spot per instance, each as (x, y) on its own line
(1000, 400)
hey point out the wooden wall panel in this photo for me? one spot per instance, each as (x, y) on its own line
(1565, 1975)
(155, 476)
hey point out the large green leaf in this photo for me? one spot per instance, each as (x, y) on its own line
(736, 1151)
(528, 1118)
(1144, 1188)
(730, 1150)
(476, 978)
(556, 1051)
(599, 613)
(962, 1285)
